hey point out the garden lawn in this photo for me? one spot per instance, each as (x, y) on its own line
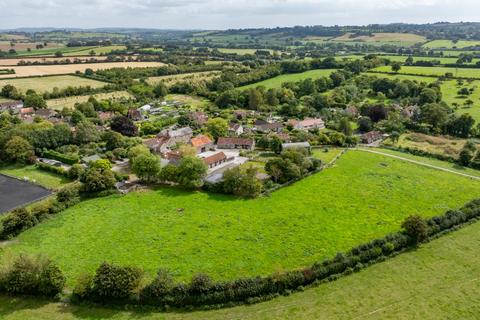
(364, 196)
(46, 179)
(276, 82)
(436, 281)
(42, 84)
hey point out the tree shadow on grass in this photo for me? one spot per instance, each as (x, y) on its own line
(9, 305)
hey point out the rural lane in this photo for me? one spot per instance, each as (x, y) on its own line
(419, 163)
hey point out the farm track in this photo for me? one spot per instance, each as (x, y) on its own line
(419, 163)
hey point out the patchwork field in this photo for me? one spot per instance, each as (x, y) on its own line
(69, 102)
(453, 260)
(449, 44)
(434, 71)
(362, 197)
(277, 81)
(42, 84)
(15, 61)
(195, 76)
(28, 71)
(384, 37)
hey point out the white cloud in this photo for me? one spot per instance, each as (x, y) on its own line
(228, 13)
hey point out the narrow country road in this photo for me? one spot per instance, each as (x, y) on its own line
(418, 162)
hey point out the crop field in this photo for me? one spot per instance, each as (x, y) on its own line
(172, 79)
(452, 259)
(434, 71)
(15, 61)
(277, 81)
(29, 71)
(449, 44)
(69, 102)
(24, 46)
(97, 50)
(228, 237)
(42, 84)
(437, 145)
(384, 37)
(46, 179)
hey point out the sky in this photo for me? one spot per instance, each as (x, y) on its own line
(226, 14)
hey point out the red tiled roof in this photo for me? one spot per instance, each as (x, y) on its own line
(26, 110)
(200, 140)
(214, 158)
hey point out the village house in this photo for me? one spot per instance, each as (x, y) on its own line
(199, 118)
(235, 128)
(201, 143)
(215, 160)
(307, 124)
(45, 113)
(26, 113)
(134, 114)
(371, 137)
(263, 126)
(168, 139)
(13, 106)
(236, 143)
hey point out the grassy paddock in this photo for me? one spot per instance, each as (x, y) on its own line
(449, 44)
(434, 71)
(69, 102)
(436, 145)
(387, 290)
(46, 179)
(362, 197)
(42, 84)
(276, 82)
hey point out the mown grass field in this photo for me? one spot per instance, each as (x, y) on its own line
(363, 196)
(69, 102)
(326, 154)
(42, 84)
(449, 44)
(436, 281)
(277, 81)
(45, 179)
(434, 71)
(443, 60)
(46, 70)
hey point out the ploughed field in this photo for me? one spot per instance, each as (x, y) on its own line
(362, 197)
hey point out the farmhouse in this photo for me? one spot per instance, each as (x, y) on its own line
(201, 143)
(215, 160)
(45, 113)
(235, 128)
(307, 124)
(236, 143)
(371, 137)
(168, 138)
(269, 127)
(13, 106)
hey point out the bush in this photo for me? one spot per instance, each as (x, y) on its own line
(33, 276)
(76, 171)
(69, 195)
(50, 168)
(15, 222)
(68, 159)
(416, 228)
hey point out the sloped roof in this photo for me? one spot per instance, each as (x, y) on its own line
(214, 158)
(235, 140)
(200, 140)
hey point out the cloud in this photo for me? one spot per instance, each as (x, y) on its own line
(220, 14)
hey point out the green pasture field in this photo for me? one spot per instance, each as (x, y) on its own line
(276, 82)
(46, 179)
(326, 154)
(49, 51)
(443, 60)
(42, 84)
(456, 53)
(69, 102)
(389, 290)
(449, 44)
(362, 197)
(434, 71)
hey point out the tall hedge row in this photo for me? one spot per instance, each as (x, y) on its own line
(118, 285)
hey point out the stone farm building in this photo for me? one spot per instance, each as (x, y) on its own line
(13, 106)
(371, 137)
(201, 143)
(236, 143)
(167, 139)
(307, 124)
(215, 160)
(235, 128)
